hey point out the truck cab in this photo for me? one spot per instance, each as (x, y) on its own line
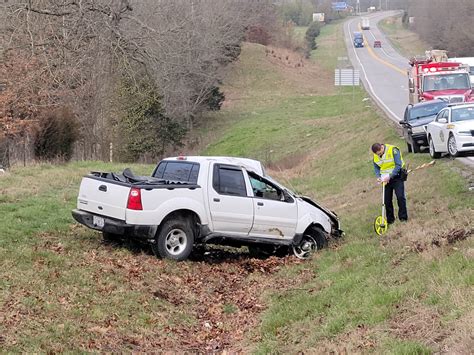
(434, 77)
(358, 40)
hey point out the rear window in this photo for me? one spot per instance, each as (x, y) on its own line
(177, 171)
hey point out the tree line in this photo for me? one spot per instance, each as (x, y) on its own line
(92, 77)
(445, 24)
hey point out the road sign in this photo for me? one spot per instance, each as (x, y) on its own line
(339, 6)
(346, 77)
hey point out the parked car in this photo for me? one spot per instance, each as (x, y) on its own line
(452, 131)
(377, 44)
(414, 121)
(198, 200)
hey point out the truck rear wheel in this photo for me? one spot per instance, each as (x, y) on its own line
(174, 240)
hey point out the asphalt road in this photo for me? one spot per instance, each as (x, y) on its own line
(383, 71)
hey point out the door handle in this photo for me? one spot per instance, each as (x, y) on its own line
(103, 188)
(259, 203)
(216, 199)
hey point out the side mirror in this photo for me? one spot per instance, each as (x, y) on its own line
(442, 120)
(287, 197)
(411, 85)
(402, 122)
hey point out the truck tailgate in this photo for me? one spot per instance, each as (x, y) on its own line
(103, 197)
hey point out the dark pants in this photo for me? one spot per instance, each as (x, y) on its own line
(398, 186)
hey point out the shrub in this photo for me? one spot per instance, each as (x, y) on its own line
(55, 135)
(312, 32)
(215, 99)
(143, 128)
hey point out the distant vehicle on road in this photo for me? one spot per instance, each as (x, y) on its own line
(377, 44)
(365, 23)
(452, 131)
(469, 61)
(358, 40)
(416, 119)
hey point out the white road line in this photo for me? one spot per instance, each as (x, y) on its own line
(371, 89)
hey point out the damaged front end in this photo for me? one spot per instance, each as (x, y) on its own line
(336, 230)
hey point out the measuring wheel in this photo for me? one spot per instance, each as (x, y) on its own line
(380, 225)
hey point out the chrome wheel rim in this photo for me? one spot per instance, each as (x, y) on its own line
(307, 247)
(176, 241)
(452, 146)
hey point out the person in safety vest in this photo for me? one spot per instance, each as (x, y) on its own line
(388, 163)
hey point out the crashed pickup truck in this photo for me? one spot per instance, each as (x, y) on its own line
(199, 200)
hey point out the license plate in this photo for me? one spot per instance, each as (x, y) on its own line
(98, 221)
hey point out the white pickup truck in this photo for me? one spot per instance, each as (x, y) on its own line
(197, 200)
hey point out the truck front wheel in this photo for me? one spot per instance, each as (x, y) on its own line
(313, 239)
(174, 240)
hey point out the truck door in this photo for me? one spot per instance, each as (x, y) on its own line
(276, 215)
(230, 201)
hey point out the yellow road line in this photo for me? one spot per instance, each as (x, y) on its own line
(372, 53)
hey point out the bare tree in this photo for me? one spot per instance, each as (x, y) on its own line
(82, 50)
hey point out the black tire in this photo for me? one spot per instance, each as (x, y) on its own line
(452, 150)
(416, 147)
(409, 147)
(315, 234)
(110, 237)
(433, 153)
(174, 240)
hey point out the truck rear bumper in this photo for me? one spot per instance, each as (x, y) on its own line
(114, 226)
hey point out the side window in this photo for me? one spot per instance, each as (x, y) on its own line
(440, 115)
(229, 181)
(178, 171)
(161, 169)
(265, 190)
(446, 114)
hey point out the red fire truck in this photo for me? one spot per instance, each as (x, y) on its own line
(433, 77)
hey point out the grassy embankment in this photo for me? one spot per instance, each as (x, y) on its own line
(368, 291)
(408, 43)
(62, 289)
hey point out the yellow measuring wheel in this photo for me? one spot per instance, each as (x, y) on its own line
(380, 223)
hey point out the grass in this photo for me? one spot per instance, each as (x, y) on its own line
(64, 290)
(328, 137)
(408, 43)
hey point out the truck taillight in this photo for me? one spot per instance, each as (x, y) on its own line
(135, 199)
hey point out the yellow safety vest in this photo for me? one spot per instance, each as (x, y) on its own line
(386, 163)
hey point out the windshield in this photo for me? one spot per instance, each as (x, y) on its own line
(426, 110)
(462, 114)
(459, 81)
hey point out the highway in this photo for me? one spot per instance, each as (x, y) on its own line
(383, 71)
